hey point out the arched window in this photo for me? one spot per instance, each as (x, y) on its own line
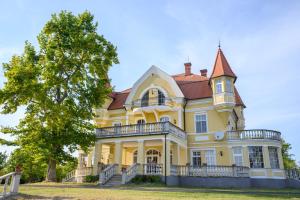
(152, 156)
(164, 119)
(145, 99)
(135, 153)
(161, 98)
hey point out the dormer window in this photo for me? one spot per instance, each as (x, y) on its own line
(153, 97)
(219, 88)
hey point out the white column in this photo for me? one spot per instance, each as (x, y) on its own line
(118, 155)
(266, 157)
(97, 157)
(166, 156)
(246, 157)
(141, 155)
(280, 159)
(176, 154)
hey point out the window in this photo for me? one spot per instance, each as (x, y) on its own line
(273, 155)
(210, 157)
(135, 153)
(256, 157)
(140, 125)
(171, 157)
(145, 99)
(164, 119)
(117, 126)
(201, 123)
(237, 156)
(196, 158)
(161, 98)
(219, 86)
(228, 85)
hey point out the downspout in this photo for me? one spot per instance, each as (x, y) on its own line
(165, 158)
(184, 106)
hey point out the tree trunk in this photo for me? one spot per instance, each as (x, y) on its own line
(51, 171)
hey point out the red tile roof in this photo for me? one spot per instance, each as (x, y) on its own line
(193, 87)
(221, 67)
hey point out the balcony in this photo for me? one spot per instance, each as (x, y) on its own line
(158, 128)
(259, 134)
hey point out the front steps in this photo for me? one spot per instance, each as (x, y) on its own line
(116, 180)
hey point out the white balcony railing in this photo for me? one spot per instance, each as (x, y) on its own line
(157, 128)
(210, 171)
(253, 134)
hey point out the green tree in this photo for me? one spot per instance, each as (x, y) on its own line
(3, 158)
(59, 85)
(31, 162)
(288, 161)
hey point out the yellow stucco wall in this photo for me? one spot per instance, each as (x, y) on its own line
(217, 121)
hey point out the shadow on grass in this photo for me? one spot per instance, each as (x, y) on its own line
(255, 192)
(27, 196)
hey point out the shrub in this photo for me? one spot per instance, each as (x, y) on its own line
(146, 179)
(91, 179)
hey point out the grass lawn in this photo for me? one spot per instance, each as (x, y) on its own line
(142, 192)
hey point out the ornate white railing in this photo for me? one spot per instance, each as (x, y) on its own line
(69, 176)
(210, 171)
(292, 174)
(130, 173)
(253, 134)
(85, 171)
(11, 184)
(152, 169)
(107, 173)
(141, 129)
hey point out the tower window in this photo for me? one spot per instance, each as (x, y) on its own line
(228, 86)
(219, 86)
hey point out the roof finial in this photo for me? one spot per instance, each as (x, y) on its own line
(219, 44)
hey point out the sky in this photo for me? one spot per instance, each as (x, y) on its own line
(260, 40)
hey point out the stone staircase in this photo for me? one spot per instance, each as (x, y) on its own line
(116, 180)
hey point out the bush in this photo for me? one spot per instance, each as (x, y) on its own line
(91, 179)
(146, 179)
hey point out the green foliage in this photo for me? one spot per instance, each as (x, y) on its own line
(3, 158)
(59, 85)
(65, 168)
(91, 179)
(146, 179)
(33, 168)
(288, 161)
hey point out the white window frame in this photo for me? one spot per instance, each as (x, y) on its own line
(236, 154)
(219, 85)
(276, 156)
(214, 157)
(192, 156)
(262, 155)
(228, 86)
(195, 122)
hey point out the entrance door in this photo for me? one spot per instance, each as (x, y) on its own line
(152, 166)
(140, 125)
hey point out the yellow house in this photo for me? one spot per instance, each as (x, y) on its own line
(180, 125)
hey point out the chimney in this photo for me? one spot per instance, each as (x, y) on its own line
(187, 67)
(203, 72)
